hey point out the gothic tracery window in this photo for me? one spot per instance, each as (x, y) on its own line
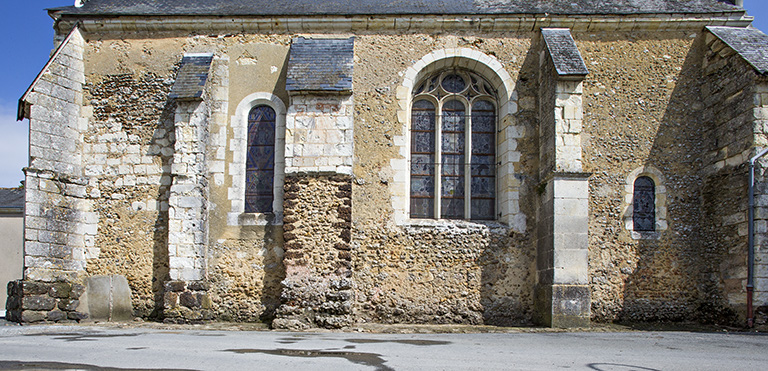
(260, 160)
(644, 205)
(453, 147)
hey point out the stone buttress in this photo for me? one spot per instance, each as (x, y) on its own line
(562, 290)
(318, 290)
(59, 223)
(186, 297)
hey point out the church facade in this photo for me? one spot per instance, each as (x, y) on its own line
(319, 164)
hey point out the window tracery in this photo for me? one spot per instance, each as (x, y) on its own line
(453, 147)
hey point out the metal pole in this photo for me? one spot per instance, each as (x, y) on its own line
(751, 239)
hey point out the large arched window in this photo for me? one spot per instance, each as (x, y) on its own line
(260, 160)
(453, 147)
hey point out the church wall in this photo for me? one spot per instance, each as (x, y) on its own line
(728, 93)
(435, 272)
(642, 109)
(129, 154)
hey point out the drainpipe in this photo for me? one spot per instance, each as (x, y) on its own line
(751, 239)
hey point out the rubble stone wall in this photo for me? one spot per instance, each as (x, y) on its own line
(438, 271)
(318, 290)
(31, 301)
(643, 109)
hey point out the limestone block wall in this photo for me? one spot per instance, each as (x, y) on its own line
(60, 224)
(760, 114)
(728, 97)
(188, 200)
(319, 135)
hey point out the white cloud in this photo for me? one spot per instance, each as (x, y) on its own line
(14, 147)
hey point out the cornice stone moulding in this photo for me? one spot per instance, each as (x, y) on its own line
(157, 26)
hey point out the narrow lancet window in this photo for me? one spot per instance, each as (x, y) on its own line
(423, 160)
(644, 205)
(260, 161)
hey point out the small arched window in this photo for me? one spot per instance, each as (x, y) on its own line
(644, 205)
(453, 147)
(260, 160)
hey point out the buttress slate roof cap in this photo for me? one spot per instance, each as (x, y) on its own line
(750, 43)
(191, 78)
(353, 7)
(320, 65)
(565, 54)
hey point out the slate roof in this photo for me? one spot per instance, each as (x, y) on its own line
(565, 54)
(192, 75)
(351, 7)
(11, 200)
(750, 43)
(320, 65)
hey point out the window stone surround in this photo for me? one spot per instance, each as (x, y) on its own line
(508, 133)
(238, 146)
(660, 203)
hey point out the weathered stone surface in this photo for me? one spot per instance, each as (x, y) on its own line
(38, 302)
(35, 288)
(343, 247)
(56, 315)
(68, 304)
(31, 316)
(109, 298)
(61, 290)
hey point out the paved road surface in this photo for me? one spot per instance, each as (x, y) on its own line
(100, 348)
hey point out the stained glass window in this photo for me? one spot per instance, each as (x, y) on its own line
(260, 161)
(463, 138)
(483, 160)
(644, 204)
(423, 159)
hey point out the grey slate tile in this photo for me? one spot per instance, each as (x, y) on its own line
(11, 200)
(750, 43)
(348, 7)
(320, 65)
(192, 75)
(565, 54)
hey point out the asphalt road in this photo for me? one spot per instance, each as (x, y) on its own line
(100, 348)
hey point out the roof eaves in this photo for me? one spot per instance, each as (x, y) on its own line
(754, 52)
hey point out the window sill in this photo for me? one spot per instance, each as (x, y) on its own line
(455, 223)
(645, 235)
(255, 219)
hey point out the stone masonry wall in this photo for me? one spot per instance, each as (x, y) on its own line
(641, 105)
(438, 271)
(727, 98)
(760, 114)
(59, 223)
(345, 258)
(318, 290)
(30, 301)
(129, 147)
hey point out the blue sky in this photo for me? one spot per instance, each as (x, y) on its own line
(27, 43)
